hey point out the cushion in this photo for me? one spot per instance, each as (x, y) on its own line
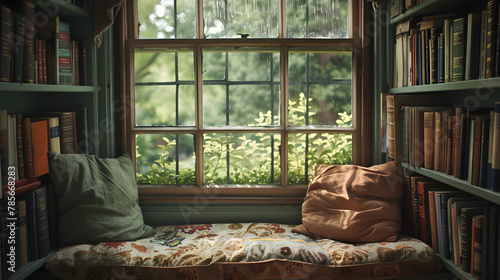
(353, 204)
(97, 199)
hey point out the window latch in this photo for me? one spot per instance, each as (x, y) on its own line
(243, 35)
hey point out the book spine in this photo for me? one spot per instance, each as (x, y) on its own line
(39, 140)
(440, 60)
(44, 61)
(495, 161)
(476, 151)
(65, 63)
(482, 52)
(39, 61)
(437, 141)
(483, 166)
(490, 49)
(458, 50)
(497, 43)
(29, 35)
(83, 64)
(391, 145)
(433, 55)
(490, 149)
(67, 133)
(427, 60)
(42, 223)
(447, 45)
(428, 140)
(423, 221)
(492, 242)
(27, 148)
(19, 140)
(4, 147)
(477, 254)
(449, 143)
(466, 226)
(23, 237)
(19, 47)
(457, 142)
(5, 44)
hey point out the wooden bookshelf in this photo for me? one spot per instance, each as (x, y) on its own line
(16, 87)
(428, 7)
(457, 271)
(62, 7)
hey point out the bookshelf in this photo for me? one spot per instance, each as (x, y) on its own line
(96, 96)
(474, 93)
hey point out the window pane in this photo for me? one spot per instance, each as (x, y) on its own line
(241, 158)
(164, 87)
(224, 19)
(317, 19)
(166, 19)
(320, 88)
(249, 88)
(165, 159)
(322, 148)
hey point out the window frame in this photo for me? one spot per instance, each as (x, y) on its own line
(129, 41)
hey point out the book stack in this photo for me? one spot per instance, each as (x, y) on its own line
(455, 141)
(448, 48)
(26, 139)
(46, 54)
(31, 220)
(460, 227)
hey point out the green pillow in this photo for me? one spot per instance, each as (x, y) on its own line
(97, 199)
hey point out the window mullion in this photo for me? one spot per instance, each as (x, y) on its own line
(284, 114)
(198, 63)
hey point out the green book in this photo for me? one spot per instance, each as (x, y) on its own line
(458, 49)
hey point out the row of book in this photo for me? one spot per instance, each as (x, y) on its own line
(25, 225)
(43, 53)
(448, 48)
(460, 227)
(26, 139)
(399, 6)
(456, 141)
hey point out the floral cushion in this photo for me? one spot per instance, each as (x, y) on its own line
(259, 249)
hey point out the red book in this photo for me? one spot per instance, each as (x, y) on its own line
(423, 187)
(20, 183)
(25, 188)
(40, 143)
(27, 148)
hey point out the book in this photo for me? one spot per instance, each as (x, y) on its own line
(31, 226)
(65, 61)
(27, 148)
(40, 144)
(83, 64)
(423, 187)
(433, 221)
(458, 49)
(433, 55)
(39, 62)
(66, 130)
(12, 144)
(429, 136)
(391, 145)
(5, 43)
(490, 42)
(75, 58)
(492, 242)
(482, 45)
(467, 215)
(440, 59)
(42, 222)
(454, 206)
(19, 47)
(28, 10)
(495, 160)
(23, 234)
(50, 34)
(447, 47)
(472, 46)
(442, 199)
(19, 140)
(477, 248)
(52, 132)
(484, 152)
(476, 150)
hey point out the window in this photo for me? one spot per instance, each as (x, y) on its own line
(241, 92)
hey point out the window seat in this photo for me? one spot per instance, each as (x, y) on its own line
(242, 251)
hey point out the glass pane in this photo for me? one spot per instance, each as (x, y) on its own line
(320, 89)
(165, 159)
(168, 19)
(241, 158)
(317, 19)
(224, 19)
(249, 90)
(164, 87)
(318, 149)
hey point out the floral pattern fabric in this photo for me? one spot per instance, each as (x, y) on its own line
(241, 251)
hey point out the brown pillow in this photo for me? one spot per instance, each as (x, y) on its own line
(355, 204)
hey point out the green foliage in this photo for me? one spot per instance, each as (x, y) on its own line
(255, 158)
